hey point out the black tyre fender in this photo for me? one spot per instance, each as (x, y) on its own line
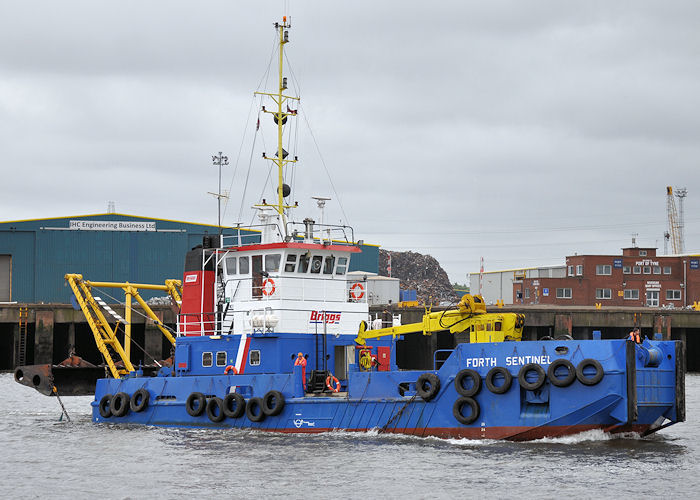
(196, 404)
(139, 400)
(427, 386)
(234, 405)
(254, 410)
(597, 377)
(464, 375)
(215, 409)
(531, 386)
(507, 380)
(105, 407)
(119, 405)
(570, 376)
(272, 403)
(460, 404)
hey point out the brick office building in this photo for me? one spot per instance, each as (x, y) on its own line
(637, 278)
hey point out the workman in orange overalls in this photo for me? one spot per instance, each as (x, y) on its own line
(301, 361)
(635, 336)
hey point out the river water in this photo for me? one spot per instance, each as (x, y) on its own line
(42, 456)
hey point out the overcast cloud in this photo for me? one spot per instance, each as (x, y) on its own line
(520, 131)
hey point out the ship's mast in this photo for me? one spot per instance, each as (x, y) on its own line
(280, 117)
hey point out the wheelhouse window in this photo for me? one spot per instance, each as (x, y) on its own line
(603, 293)
(303, 263)
(291, 263)
(254, 358)
(243, 265)
(603, 269)
(221, 358)
(328, 264)
(563, 293)
(342, 266)
(206, 359)
(631, 295)
(231, 265)
(673, 295)
(272, 263)
(316, 264)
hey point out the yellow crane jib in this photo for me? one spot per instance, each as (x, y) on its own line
(106, 336)
(470, 315)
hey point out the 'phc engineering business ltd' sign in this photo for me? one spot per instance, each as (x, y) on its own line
(111, 225)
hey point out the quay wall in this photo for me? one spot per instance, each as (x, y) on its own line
(53, 329)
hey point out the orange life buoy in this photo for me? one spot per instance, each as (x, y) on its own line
(230, 368)
(265, 291)
(354, 294)
(330, 378)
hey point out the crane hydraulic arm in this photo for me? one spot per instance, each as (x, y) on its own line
(470, 315)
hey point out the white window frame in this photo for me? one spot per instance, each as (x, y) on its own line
(603, 270)
(646, 269)
(626, 269)
(225, 358)
(563, 294)
(632, 295)
(579, 270)
(642, 253)
(600, 293)
(637, 270)
(667, 269)
(250, 357)
(656, 269)
(211, 359)
(676, 295)
(571, 271)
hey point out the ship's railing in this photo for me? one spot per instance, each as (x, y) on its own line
(326, 232)
(262, 319)
(295, 231)
(440, 356)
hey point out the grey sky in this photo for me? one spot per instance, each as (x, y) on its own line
(517, 131)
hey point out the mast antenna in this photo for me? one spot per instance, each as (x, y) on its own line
(280, 115)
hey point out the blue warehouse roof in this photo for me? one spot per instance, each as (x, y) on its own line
(107, 247)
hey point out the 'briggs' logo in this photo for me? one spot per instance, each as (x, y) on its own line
(332, 318)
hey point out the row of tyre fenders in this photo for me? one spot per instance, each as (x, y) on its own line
(467, 382)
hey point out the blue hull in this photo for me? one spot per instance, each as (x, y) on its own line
(640, 389)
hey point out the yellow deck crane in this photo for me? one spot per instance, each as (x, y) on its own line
(470, 315)
(104, 334)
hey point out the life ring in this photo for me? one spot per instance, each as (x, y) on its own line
(471, 389)
(583, 378)
(507, 380)
(119, 406)
(566, 380)
(330, 380)
(522, 377)
(197, 409)
(457, 410)
(230, 368)
(139, 400)
(265, 291)
(215, 409)
(427, 386)
(272, 403)
(354, 295)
